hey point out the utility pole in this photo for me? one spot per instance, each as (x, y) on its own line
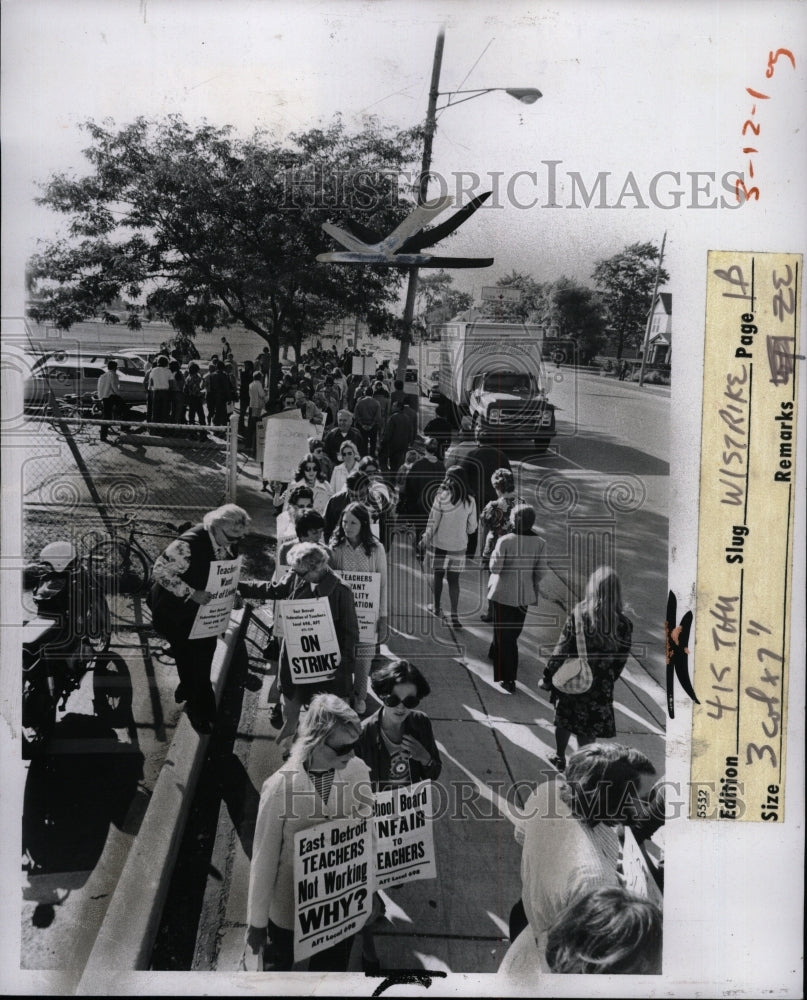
(431, 126)
(650, 314)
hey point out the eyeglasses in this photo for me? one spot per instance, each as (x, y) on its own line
(309, 468)
(344, 749)
(392, 700)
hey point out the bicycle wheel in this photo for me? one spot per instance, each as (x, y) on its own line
(119, 567)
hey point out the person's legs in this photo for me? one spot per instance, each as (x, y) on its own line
(194, 659)
(453, 578)
(107, 405)
(333, 959)
(361, 671)
(513, 623)
(438, 588)
(562, 737)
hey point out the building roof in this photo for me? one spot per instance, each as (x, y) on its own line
(666, 301)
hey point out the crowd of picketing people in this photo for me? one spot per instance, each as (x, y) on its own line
(369, 487)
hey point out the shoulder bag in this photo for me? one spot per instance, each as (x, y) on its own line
(574, 676)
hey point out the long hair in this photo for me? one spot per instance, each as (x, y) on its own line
(602, 606)
(456, 484)
(601, 782)
(608, 930)
(299, 475)
(325, 712)
(366, 538)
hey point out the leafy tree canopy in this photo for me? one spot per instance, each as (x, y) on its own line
(439, 300)
(626, 281)
(200, 228)
(572, 311)
(516, 312)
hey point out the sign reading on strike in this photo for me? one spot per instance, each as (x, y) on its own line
(366, 589)
(222, 582)
(404, 840)
(332, 884)
(311, 642)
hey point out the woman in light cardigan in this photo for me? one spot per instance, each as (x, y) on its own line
(321, 781)
(451, 520)
(355, 549)
(516, 568)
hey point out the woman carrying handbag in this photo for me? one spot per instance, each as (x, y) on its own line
(589, 657)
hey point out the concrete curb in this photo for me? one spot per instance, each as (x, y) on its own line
(126, 936)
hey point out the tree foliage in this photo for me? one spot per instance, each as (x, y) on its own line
(516, 312)
(200, 228)
(574, 312)
(626, 281)
(438, 299)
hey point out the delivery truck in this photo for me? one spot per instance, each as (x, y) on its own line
(494, 374)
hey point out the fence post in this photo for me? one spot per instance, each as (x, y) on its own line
(232, 459)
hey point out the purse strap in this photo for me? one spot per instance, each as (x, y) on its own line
(579, 635)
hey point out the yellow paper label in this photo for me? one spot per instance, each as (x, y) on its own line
(745, 539)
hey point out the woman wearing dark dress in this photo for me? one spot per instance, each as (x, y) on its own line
(397, 744)
(607, 632)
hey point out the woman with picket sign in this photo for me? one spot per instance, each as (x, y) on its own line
(588, 659)
(397, 744)
(322, 780)
(354, 549)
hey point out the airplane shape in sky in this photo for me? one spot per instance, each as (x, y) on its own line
(403, 245)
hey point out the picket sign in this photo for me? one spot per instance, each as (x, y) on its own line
(366, 588)
(222, 582)
(311, 643)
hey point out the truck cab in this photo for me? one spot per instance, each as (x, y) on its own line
(494, 373)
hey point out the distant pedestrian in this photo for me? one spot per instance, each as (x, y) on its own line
(219, 394)
(160, 383)
(451, 520)
(494, 520)
(396, 437)
(194, 395)
(516, 568)
(226, 350)
(109, 393)
(244, 383)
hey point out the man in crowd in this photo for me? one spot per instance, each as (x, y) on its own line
(344, 431)
(396, 438)
(367, 414)
(420, 488)
(109, 393)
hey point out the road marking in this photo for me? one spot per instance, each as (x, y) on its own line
(487, 793)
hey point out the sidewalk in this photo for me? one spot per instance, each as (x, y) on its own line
(494, 747)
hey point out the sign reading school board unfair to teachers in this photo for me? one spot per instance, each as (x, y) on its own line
(285, 442)
(332, 884)
(403, 845)
(222, 582)
(366, 589)
(311, 643)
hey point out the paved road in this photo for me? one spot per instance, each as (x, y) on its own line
(493, 745)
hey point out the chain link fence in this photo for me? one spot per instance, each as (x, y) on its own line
(84, 478)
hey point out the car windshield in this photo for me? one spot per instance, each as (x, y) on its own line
(507, 382)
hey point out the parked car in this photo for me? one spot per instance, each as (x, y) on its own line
(73, 374)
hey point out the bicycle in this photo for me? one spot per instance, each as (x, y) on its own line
(123, 564)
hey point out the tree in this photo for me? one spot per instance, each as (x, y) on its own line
(440, 301)
(515, 312)
(626, 281)
(574, 313)
(202, 229)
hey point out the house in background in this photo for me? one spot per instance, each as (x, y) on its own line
(659, 347)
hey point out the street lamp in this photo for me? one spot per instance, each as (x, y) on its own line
(526, 95)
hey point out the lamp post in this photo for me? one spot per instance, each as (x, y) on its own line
(526, 95)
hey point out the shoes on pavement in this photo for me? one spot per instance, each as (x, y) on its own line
(508, 686)
(558, 762)
(486, 617)
(179, 694)
(276, 717)
(455, 622)
(436, 612)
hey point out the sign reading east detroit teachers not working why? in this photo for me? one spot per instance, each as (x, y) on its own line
(222, 582)
(332, 884)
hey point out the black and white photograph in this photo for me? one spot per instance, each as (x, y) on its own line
(403, 497)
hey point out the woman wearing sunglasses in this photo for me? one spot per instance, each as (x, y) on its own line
(309, 471)
(348, 461)
(321, 781)
(397, 744)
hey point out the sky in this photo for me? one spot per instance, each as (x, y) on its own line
(631, 91)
